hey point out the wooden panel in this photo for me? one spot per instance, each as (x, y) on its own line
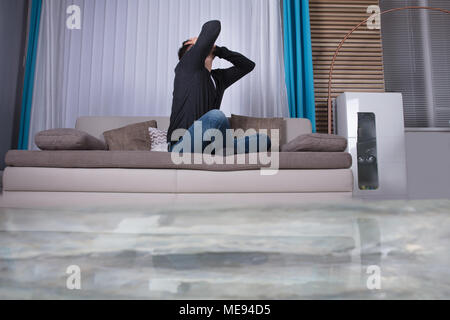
(359, 66)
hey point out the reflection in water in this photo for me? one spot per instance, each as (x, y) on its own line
(229, 252)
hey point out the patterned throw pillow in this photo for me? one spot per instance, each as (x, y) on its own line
(159, 139)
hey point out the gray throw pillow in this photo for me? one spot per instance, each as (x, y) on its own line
(245, 123)
(134, 137)
(67, 139)
(316, 142)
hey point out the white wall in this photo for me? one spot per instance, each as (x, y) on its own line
(428, 164)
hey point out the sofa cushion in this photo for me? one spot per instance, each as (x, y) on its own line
(316, 142)
(131, 137)
(162, 160)
(245, 123)
(67, 139)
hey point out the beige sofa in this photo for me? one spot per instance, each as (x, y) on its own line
(54, 178)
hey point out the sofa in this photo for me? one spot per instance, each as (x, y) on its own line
(80, 178)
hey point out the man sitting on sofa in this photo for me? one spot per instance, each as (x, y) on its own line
(198, 91)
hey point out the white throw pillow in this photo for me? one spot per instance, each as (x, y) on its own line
(158, 139)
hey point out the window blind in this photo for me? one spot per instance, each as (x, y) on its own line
(416, 45)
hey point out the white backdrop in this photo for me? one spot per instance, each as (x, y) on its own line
(122, 60)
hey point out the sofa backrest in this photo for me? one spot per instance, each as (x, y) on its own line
(97, 125)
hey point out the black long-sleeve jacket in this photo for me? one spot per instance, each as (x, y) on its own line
(194, 92)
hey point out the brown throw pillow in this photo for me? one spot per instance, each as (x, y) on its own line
(67, 139)
(245, 123)
(132, 137)
(316, 142)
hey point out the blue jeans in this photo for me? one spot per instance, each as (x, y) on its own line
(216, 119)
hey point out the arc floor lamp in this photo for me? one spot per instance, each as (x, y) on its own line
(349, 34)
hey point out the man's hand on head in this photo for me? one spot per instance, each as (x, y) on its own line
(191, 41)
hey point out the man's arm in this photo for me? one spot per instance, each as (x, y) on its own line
(241, 65)
(196, 56)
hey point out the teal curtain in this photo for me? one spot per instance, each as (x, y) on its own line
(27, 96)
(298, 60)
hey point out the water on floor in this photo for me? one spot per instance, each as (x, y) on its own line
(354, 250)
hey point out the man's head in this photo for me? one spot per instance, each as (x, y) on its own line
(188, 44)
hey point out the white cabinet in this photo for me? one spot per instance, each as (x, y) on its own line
(373, 124)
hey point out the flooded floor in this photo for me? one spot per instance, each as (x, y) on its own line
(354, 250)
